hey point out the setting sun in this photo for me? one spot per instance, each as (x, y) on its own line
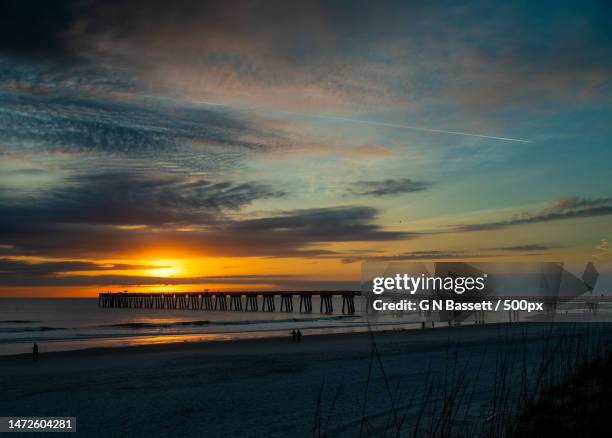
(168, 268)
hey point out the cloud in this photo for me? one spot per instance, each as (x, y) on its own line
(325, 55)
(369, 151)
(441, 255)
(334, 224)
(19, 269)
(14, 272)
(120, 127)
(523, 248)
(265, 27)
(405, 256)
(209, 49)
(30, 28)
(388, 187)
(253, 282)
(564, 208)
(117, 213)
(121, 198)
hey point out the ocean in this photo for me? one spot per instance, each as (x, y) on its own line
(58, 324)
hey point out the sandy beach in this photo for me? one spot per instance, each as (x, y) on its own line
(273, 387)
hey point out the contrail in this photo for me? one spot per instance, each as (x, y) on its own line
(340, 119)
(417, 128)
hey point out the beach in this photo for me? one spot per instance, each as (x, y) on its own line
(327, 384)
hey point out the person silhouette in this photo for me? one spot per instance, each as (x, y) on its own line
(299, 336)
(293, 335)
(35, 353)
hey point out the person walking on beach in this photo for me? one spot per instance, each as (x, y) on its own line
(299, 336)
(35, 353)
(293, 335)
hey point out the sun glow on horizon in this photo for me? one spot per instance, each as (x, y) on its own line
(169, 268)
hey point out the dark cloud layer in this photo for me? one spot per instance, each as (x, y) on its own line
(292, 234)
(406, 256)
(388, 187)
(120, 198)
(336, 224)
(343, 45)
(565, 208)
(200, 283)
(116, 213)
(30, 28)
(14, 272)
(299, 232)
(18, 269)
(524, 248)
(19, 273)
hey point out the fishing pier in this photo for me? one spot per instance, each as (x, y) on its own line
(282, 301)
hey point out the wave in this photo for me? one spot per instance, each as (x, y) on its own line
(70, 335)
(177, 325)
(29, 329)
(16, 321)
(199, 323)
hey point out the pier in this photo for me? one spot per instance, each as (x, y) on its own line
(230, 301)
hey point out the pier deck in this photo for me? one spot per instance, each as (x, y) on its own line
(268, 301)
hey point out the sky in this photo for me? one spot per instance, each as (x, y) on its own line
(255, 145)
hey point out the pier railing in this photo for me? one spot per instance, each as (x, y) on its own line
(229, 301)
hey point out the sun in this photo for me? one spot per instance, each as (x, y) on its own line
(168, 269)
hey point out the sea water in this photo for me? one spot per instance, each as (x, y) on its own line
(57, 324)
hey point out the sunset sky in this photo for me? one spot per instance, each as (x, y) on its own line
(153, 145)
